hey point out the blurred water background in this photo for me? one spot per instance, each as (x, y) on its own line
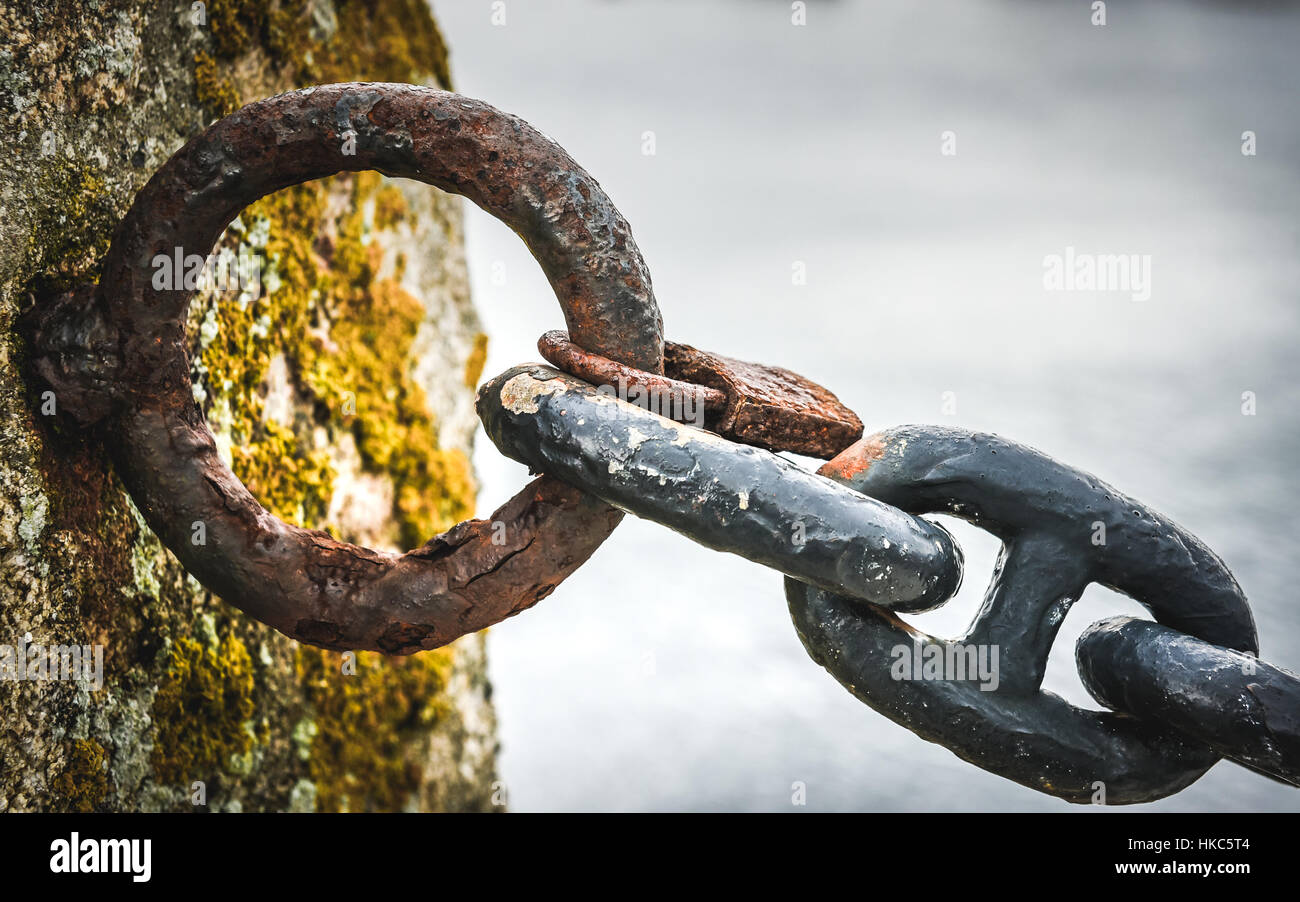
(666, 676)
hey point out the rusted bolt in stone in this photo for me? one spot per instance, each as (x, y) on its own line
(116, 356)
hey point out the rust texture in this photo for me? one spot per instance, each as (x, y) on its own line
(855, 459)
(767, 406)
(116, 354)
(751, 403)
(567, 356)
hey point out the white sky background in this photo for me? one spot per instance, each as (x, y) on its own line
(666, 676)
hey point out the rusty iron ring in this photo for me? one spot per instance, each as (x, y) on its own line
(117, 353)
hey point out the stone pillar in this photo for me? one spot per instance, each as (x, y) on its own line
(340, 386)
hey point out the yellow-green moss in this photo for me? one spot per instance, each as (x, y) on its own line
(73, 223)
(204, 710)
(476, 359)
(390, 207)
(363, 725)
(213, 710)
(373, 329)
(347, 338)
(370, 327)
(236, 23)
(295, 484)
(216, 91)
(239, 337)
(396, 40)
(84, 781)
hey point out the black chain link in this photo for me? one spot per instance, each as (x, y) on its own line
(855, 552)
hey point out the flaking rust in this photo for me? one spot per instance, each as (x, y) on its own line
(673, 397)
(115, 354)
(768, 406)
(752, 403)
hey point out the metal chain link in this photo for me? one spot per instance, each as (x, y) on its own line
(1185, 690)
(856, 553)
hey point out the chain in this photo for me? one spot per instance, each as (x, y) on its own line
(1184, 691)
(726, 496)
(688, 439)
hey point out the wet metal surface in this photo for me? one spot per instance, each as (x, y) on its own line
(1244, 709)
(117, 354)
(1045, 514)
(1122, 401)
(726, 496)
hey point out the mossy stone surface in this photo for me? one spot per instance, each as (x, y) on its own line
(339, 392)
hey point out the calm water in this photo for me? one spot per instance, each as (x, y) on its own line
(666, 676)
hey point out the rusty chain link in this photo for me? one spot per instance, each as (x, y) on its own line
(687, 439)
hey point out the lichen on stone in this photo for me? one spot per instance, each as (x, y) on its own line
(321, 41)
(71, 194)
(196, 691)
(475, 361)
(145, 551)
(204, 709)
(216, 91)
(83, 782)
(347, 336)
(360, 748)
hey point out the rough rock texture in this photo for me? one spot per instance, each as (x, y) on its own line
(341, 388)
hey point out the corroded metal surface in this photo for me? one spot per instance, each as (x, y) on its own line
(1046, 514)
(850, 541)
(117, 353)
(726, 496)
(768, 406)
(680, 398)
(752, 403)
(1244, 709)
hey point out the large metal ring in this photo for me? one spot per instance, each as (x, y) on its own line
(119, 354)
(1061, 530)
